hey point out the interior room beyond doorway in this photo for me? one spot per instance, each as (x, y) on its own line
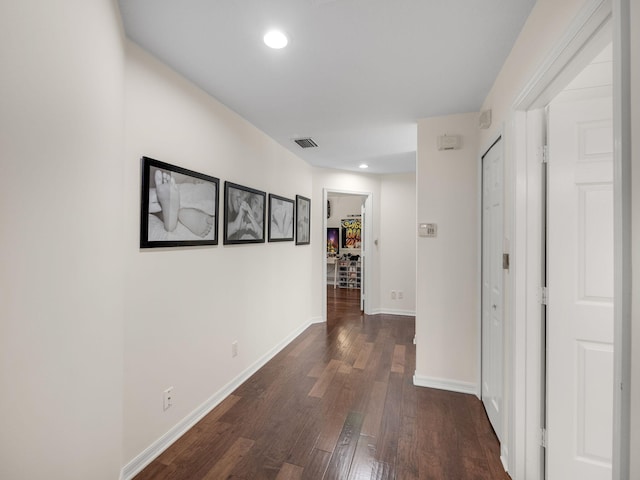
(345, 240)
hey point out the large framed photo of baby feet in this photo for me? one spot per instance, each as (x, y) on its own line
(179, 207)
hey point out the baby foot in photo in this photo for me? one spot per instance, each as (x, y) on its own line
(169, 198)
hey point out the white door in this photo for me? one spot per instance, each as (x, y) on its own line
(580, 290)
(492, 328)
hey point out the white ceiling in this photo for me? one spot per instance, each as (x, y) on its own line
(356, 74)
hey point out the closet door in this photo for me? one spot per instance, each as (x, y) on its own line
(492, 315)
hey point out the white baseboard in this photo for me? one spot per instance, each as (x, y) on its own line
(388, 311)
(318, 319)
(504, 457)
(445, 384)
(136, 465)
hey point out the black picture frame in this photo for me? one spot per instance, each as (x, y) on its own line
(182, 212)
(281, 218)
(303, 220)
(250, 204)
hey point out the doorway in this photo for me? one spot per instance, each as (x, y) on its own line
(345, 226)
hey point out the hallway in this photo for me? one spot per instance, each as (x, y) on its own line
(339, 403)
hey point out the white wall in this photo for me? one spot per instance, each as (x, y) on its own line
(447, 279)
(397, 243)
(61, 293)
(547, 22)
(185, 306)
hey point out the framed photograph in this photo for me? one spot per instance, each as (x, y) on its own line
(179, 207)
(303, 224)
(351, 232)
(333, 240)
(281, 215)
(244, 212)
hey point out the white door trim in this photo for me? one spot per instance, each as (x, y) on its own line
(622, 238)
(562, 64)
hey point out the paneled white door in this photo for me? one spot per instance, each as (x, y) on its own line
(580, 290)
(492, 328)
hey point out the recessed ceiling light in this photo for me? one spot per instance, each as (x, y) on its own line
(275, 39)
(364, 165)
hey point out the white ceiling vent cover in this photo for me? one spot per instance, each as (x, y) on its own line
(305, 142)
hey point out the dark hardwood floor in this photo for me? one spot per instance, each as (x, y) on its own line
(339, 403)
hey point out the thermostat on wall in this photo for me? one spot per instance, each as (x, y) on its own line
(428, 230)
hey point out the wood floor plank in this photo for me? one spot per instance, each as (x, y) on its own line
(397, 366)
(363, 459)
(343, 453)
(330, 432)
(230, 459)
(290, 472)
(363, 357)
(317, 370)
(320, 387)
(221, 409)
(202, 454)
(390, 427)
(303, 345)
(408, 459)
(317, 466)
(375, 409)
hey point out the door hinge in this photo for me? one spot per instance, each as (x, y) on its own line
(543, 437)
(505, 261)
(544, 157)
(544, 295)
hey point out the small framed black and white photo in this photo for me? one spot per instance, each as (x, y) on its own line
(179, 207)
(244, 212)
(281, 216)
(303, 224)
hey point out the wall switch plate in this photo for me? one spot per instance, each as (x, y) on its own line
(234, 349)
(393, 294)
(400, 294)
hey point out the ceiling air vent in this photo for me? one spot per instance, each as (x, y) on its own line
(305, 142)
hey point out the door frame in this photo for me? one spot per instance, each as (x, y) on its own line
(365, 251)
(564, 62)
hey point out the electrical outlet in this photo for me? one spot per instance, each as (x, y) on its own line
(400, 294)
(168, 398)
(393, 294)
(234, 349)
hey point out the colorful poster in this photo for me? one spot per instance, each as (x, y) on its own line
(332, 240)
(351, 229)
